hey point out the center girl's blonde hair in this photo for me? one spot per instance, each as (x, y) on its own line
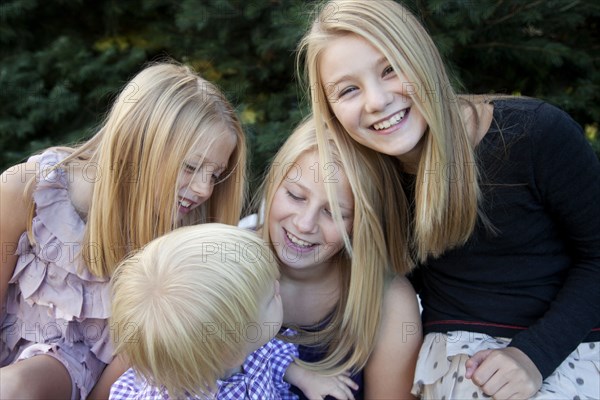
(351, 330)
(182, 305)
(445, 208)
(163, 113)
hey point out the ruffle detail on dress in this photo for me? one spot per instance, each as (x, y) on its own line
(52, 293)
(51, 273)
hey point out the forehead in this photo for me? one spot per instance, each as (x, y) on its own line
(333, 60)
(310, 173)
(215, 148)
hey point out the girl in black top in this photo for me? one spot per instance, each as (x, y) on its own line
(502, 204)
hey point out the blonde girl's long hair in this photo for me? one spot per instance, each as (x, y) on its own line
(163, 113)
(350, 332)
(183, 306)
(446, 204)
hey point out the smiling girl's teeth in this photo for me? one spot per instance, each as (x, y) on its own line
(297, 241)
(394, 120)
(185, 203)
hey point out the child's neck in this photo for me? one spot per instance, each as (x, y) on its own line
(308, 298)
(313, 274)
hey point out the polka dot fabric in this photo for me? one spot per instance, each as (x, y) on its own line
(440, 372)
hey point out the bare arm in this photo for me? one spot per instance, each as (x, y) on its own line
(390, 370)
(13, 220)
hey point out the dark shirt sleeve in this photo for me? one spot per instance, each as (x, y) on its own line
(567, 174)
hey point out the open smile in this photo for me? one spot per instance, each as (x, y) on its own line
(185, 205)
(393, 120)
(297, 241)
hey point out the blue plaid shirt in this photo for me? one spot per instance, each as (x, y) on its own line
(262, 378)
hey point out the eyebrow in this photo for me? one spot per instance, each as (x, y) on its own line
(202, 159)
(380, 60)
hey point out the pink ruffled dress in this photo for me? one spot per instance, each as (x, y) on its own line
(55, 306)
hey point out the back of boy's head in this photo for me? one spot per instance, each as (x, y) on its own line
(181, 304)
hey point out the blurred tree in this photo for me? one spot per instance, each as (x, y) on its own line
(543, 48)
(63, 61)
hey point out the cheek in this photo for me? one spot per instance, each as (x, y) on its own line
(210, 192)
(182, 181)
(274, 224)
(346, 114)
(335, 240)
(357, 137)
(278, 207)
(349, 229)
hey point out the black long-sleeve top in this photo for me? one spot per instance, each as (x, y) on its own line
(536, 278)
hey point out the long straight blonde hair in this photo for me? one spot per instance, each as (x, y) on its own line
(446, 204)
(163, 113)
(350, 332)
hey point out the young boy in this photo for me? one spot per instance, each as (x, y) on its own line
(195, 313)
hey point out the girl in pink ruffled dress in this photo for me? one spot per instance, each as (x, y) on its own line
(170, 153)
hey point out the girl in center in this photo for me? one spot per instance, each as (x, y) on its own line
(352, 314)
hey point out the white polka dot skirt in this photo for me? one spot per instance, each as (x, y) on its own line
(440, 372)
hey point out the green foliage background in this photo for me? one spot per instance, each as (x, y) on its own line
(63, 61)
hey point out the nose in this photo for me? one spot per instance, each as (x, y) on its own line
(306, 220)
(201, 185)
(377, 98)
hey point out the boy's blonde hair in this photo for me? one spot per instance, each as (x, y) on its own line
(445, 209)
(161, 115)
(182, 305)
(350, 334)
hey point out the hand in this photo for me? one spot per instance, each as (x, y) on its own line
(316, 386)
(339, 386)
(504, 373)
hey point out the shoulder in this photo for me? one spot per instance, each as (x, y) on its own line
(554, 136)
(400, 290)
(14, 179)
(388, 373)
(531, 128)
(401, 308)
(13, 182)
(555, 127)
(534, 116)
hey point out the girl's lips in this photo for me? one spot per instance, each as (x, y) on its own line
(185, 205)
(391, 124)
(296, 247)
